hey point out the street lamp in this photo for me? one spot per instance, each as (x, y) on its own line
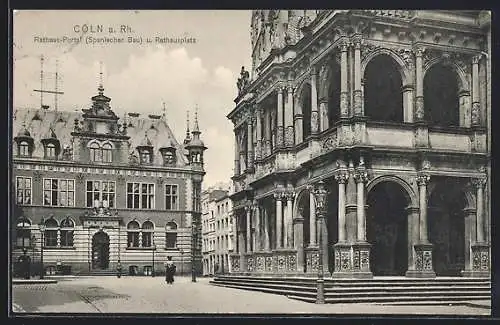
(41, 226)
(153, 268)
(193, 246)
(320, 194)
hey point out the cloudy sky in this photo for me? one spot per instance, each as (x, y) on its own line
(138, 78)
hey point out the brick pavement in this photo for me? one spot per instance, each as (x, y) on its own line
(153, 295)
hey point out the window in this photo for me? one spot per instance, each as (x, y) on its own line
(106, 153)
(23, 190)
(171, 199)
(95, 152)
(23, 233)
(24, 149)
(101, 193)
(146, 156)
(147, 234)
(133, 234)
(51, 229)
(67, 232)
(196, 197)
(140, 196)
(168, 157)
(58, 192)
(50, 151)
(171, 235)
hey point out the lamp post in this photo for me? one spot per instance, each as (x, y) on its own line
(153, 268)
(320, 194)
(41, 226)
(193, 246)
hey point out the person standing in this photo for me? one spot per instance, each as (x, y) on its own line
(169, 270)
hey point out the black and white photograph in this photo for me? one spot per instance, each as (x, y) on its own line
(250, 162)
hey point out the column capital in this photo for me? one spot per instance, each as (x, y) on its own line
(479, 182)
(423, 179)
(356, 42)
(419, 51)
(341, 176)
(289, 195)
(279, 195)
(281, 88)
(343, 45)
(290, 89)
(476, 59)
(360, 175)
(314, 70)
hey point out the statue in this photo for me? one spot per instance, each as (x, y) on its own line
(133, 159)
(67, 152)
(243, 80)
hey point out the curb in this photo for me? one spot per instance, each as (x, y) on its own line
(43, 281)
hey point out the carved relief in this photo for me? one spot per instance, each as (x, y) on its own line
(476, 108)
(269, 263)
(261, 263)
(329, 143)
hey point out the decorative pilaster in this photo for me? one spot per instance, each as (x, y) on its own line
(341, 178)
(476, 106)
(248, 211)
(279, 219)
(267, 241)
(258, 126)
(249, 142)
(289, 222)
(257, 240)
(419, 98)
(314, 102)
(236, 153)
(279, 119)
(357, 94)
(323, 114)
(344, 93)
(312, 219)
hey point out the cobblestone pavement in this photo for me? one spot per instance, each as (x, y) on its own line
(153, 295)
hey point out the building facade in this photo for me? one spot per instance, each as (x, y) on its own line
(93, 191)
(390, 110)
(217, 230)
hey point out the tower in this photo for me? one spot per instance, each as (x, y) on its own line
(196, 147)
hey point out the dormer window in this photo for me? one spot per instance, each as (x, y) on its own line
(101, 153)
(50, 151)
(106, 153)
(24, 149)
(95, 152)
(168, 155)
(146, 156)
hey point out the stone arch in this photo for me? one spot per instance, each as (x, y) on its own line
(329, 84)
(298, 199)
(406, 75)
(305, 82)
(462, 80)
(410, 193)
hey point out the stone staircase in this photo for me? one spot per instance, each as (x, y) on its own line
(384, 290)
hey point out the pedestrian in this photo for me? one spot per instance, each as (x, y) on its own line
(169, 270)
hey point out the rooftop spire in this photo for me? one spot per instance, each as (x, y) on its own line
(164, 111)
(188, 134)
(101, 87)
(196, 128)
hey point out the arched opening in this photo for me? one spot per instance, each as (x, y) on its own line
(305, 103)
(387, 228)
(50, 235)
(67, 232)
(133, 234)
(332, 221)
(441, 101)
(100, 250)
(334, 93)
(170, 235)
(303, 209)
(147, 234)
(383, 90)
(446, 220)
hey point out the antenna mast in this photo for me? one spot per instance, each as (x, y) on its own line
(42, 91)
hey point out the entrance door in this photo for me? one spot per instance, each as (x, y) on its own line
(100, 250)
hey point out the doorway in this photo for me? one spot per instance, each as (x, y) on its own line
(100, 251)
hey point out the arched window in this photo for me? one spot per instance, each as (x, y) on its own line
(441, 100)
(50, 151)
(95, 152)
(133, 234)
(23, 233)
(24, 149)
(383, 90)
(107, 153)
(145, 156)
(67, 232)
(171, 235)
(51, 228)
(305, 103)
(147, 234)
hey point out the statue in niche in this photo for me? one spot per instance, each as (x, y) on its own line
(67, 152)
(133, 159)
(243, 80)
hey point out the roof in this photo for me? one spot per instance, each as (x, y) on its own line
(61, 123)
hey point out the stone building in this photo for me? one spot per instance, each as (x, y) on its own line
(217, 230)
(104, 190)
(391, 110)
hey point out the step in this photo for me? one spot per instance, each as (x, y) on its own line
(439, 300)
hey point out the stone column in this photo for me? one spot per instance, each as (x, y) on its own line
(258, 236)
(413, 236)
(344, 92)
(298, 115)
(361, 249)
(236, 153)
(267, 241)
(476, 106)
(479, 183)
(279, 220)
(323, 113)
(419, 82)
(358, 96)
(279, 120)
(470, 239)
(312, 219)
(341, 178)
(289, 221)
(298, 240)
(250, 142)
(241, 244)
(248, 211)
(423, 250)
(289, 132)
(258, 126)
(480, 248)
(314, 102)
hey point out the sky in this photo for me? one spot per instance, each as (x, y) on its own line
(138, 77)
